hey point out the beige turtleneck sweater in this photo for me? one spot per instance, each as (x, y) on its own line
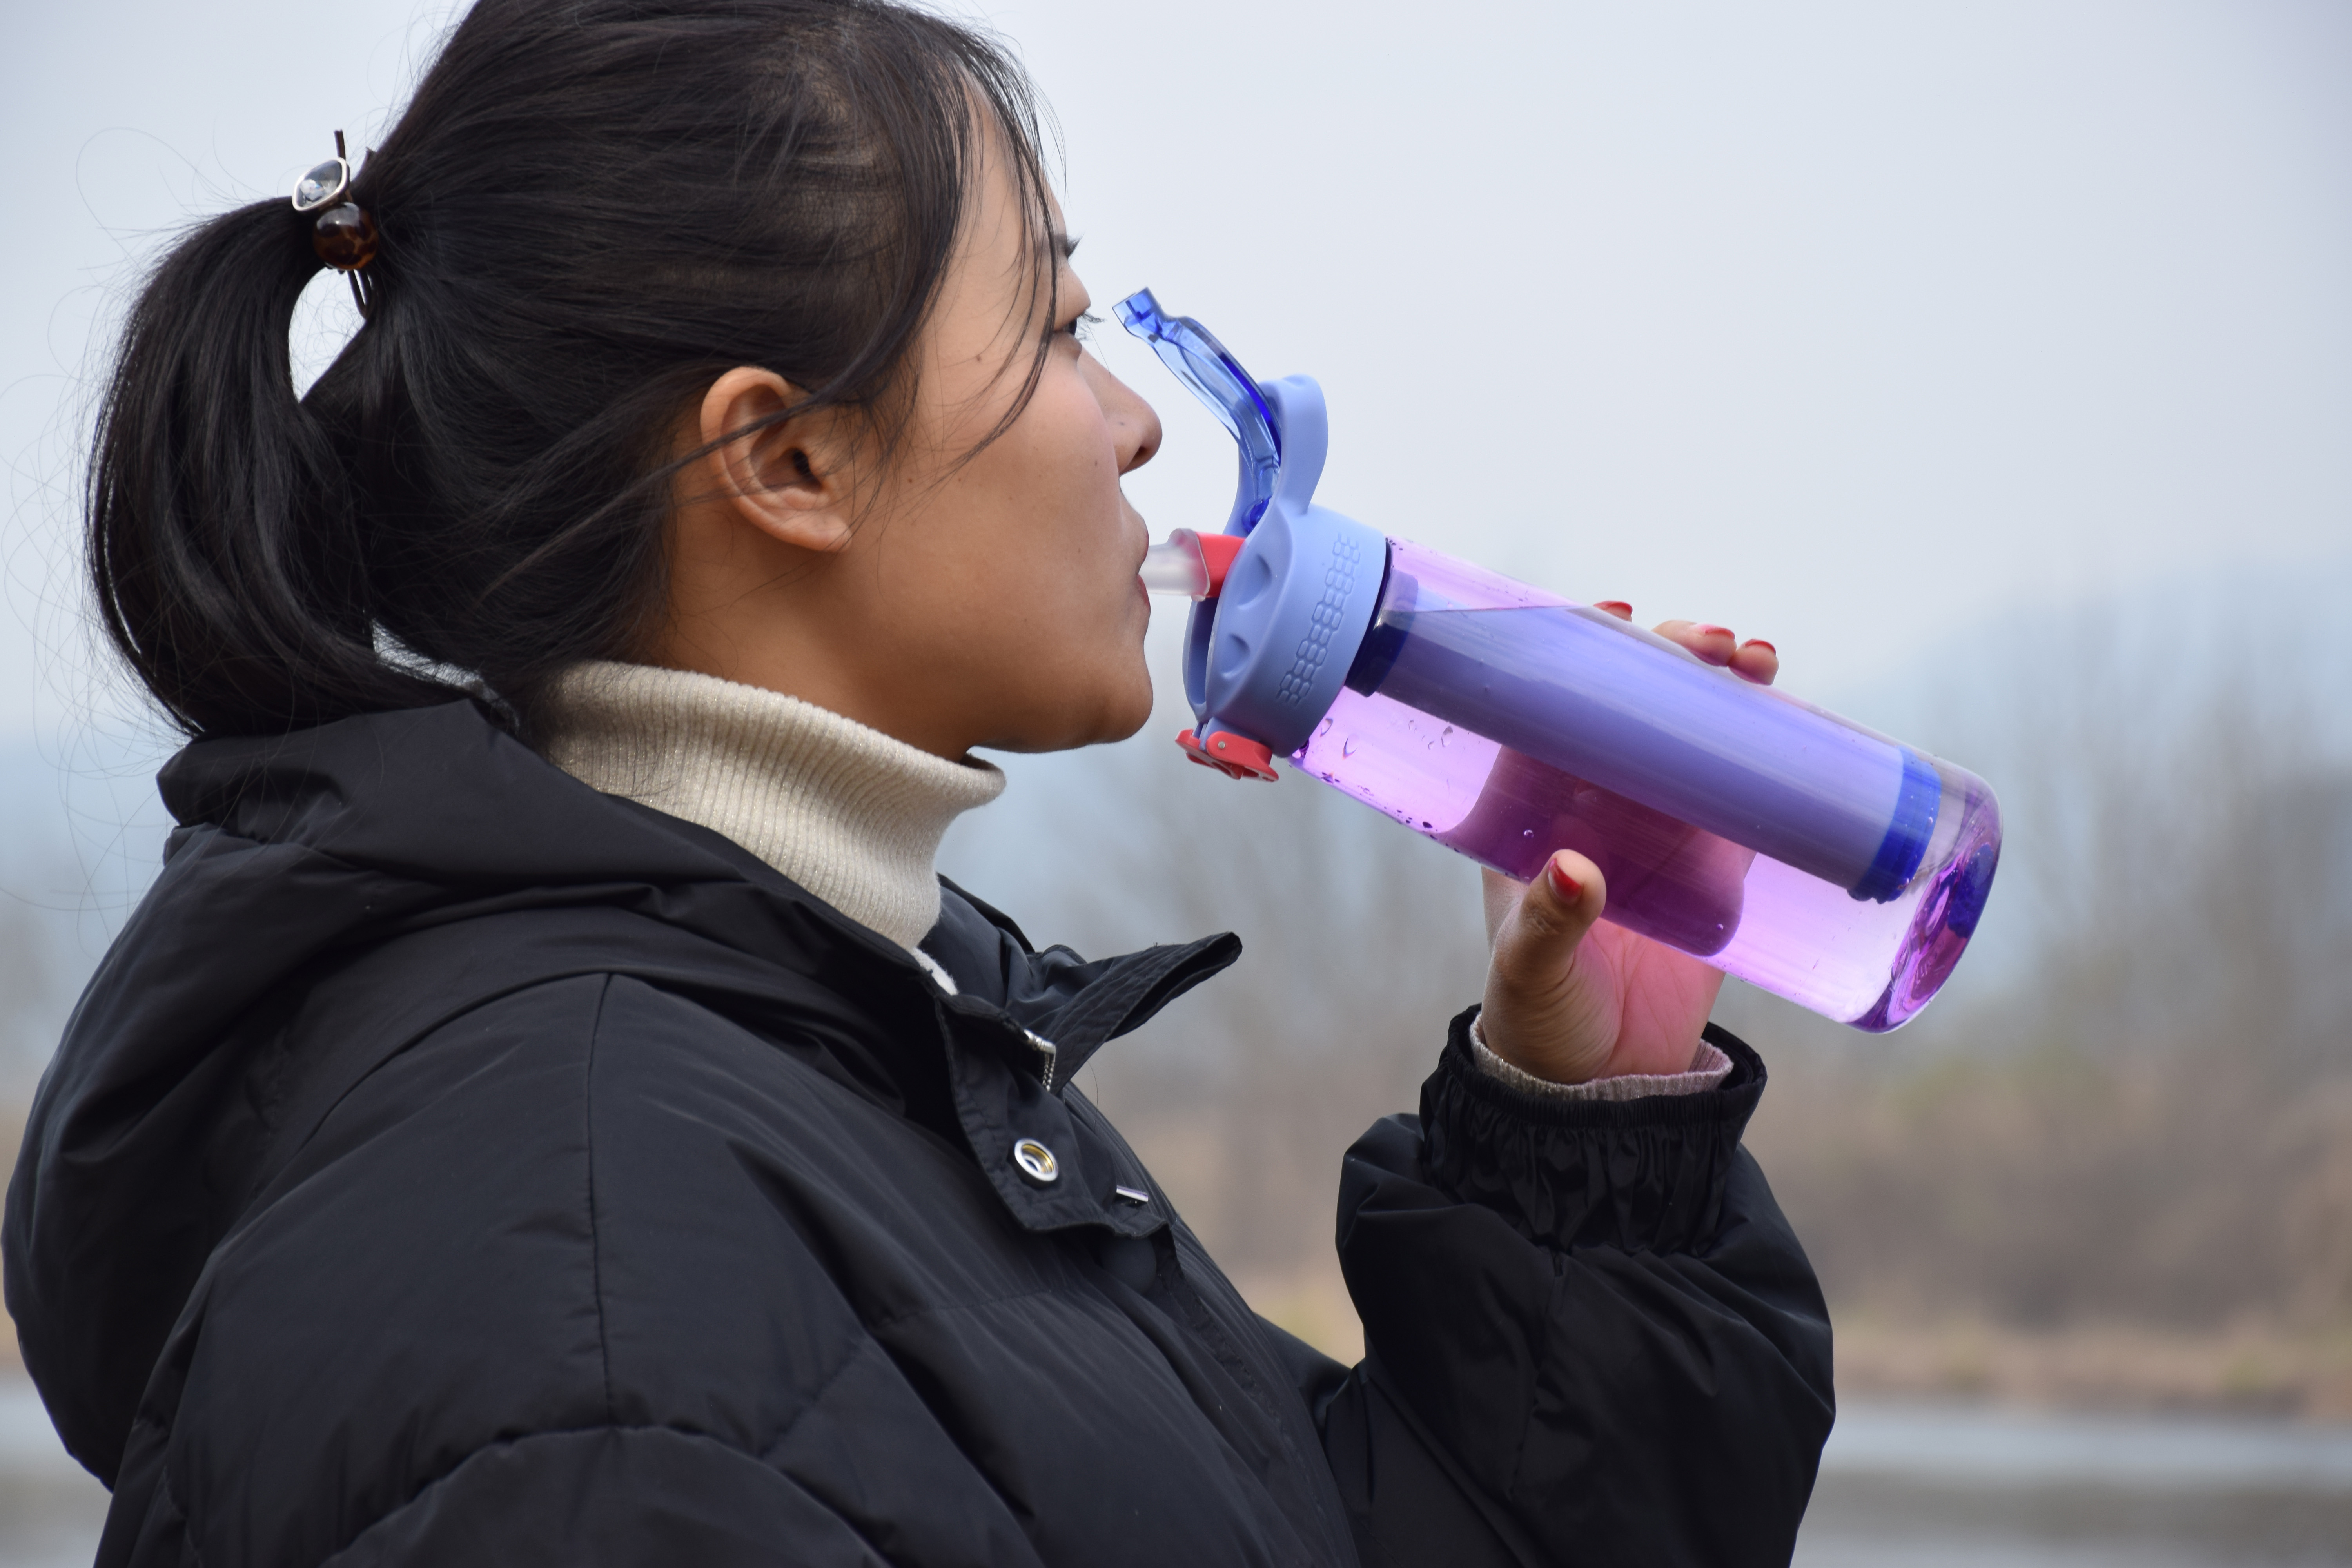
(850, 813)
(846, 811)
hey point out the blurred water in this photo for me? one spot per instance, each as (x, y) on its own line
(1902, 1486)
(1928, 1485)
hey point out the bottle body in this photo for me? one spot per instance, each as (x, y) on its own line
(1784, 845)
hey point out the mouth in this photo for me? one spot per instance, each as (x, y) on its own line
(1141, 532)
(1140, 539)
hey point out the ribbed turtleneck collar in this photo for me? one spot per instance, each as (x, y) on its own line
(846, 811)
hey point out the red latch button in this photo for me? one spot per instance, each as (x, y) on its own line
(1217, 552)
(1235, 756)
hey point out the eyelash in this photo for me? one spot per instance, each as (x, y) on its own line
(1082, 326)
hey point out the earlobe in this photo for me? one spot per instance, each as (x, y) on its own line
(788, 478)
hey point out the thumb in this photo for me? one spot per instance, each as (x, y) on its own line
(1536, 946)
(1542, 1013)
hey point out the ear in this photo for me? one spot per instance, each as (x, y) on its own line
(790, 479)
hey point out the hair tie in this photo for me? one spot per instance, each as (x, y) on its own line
(342, 233)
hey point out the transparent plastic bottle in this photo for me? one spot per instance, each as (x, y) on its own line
(1810, 856)
(1781, 844)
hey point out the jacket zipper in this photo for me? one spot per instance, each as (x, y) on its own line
(1045, 1048)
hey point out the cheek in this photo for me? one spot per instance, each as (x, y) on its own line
(1062, 513)
(1068, 451)
(1019, 592)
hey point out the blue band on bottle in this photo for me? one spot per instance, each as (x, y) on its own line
(1905, 843)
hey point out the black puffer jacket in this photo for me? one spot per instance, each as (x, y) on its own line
(451, 1164)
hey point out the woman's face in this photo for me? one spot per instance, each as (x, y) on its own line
(1010, 575)
(956, 599)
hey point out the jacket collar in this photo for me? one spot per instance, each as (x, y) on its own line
(435, 817)
(1020, 1024)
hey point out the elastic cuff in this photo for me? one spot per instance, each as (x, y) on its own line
(1641, 1175)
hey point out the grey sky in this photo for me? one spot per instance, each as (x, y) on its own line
(1847, 324)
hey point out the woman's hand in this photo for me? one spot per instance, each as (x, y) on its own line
(1569, 1001)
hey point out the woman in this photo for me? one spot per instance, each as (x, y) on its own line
(549, 1109)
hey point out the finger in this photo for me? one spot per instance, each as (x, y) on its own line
(1757, 660)
(1536, 943)
(1617, 607)
(1714, 644)
(1500, 893)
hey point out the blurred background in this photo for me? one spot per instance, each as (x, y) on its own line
(1994, 360)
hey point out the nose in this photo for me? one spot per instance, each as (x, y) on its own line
(1134, 425)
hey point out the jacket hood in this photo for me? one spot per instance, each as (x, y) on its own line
(160, 1116)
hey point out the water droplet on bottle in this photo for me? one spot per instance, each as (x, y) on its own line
(1527, 833)
(1446, 739)
(1347, 747)
(1323, 729)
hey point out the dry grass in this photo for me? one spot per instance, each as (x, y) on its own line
(2042, 1188)
(2246, 1367)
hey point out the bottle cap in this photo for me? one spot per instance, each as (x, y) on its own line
(1267, 652)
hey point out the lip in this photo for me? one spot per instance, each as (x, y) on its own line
(1142, 540)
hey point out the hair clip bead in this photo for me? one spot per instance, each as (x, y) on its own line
(344, 238)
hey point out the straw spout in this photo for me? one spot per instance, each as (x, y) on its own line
(1190, 564)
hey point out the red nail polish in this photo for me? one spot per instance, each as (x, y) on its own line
(1715, 631)
(1566, 886)
(1618, 607)
(1768, 647)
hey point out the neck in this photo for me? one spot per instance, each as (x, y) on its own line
(849, 814)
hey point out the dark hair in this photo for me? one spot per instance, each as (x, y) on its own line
(590, 209)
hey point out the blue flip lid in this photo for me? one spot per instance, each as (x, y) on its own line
(1267, 657)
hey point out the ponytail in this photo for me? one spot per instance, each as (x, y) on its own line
(223, 544)
(590, 209)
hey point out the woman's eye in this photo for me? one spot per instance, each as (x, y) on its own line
(1082, 327)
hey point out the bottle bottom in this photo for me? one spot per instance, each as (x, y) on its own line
(1942, 926)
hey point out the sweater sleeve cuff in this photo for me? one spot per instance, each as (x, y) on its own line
(1708, 1068)
(1641, 1174)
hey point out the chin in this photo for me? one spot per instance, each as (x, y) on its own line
(1135, 710)
(1114, 716)
(1131, 723)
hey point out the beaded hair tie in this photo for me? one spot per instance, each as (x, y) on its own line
(343, 234)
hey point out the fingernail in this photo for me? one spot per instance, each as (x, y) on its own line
(1615, 606)
(1566, 886)
(1715, 631)
(1759, 642)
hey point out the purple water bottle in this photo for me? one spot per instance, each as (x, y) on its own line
(1781, 844)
